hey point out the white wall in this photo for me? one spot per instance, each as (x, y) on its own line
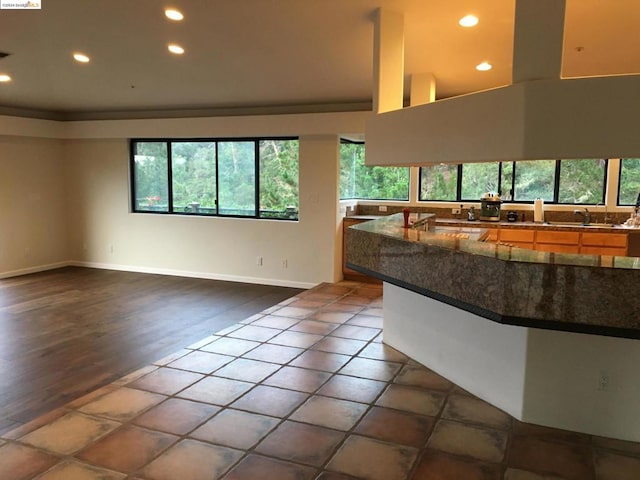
(104, 233)
(573, 381)
(584, 383)
(87, 200)
(483, 357)
(33, 226)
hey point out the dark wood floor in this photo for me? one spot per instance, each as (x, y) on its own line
(66, 332)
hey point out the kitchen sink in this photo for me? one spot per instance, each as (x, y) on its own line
(580, 224)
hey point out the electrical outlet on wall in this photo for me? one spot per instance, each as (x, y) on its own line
(382, 208)
(603, 381)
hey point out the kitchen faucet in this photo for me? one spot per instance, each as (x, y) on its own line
(585, 215)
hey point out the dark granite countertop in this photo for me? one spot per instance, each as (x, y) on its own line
(582, 293)
(363, 217)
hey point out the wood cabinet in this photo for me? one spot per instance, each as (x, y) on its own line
(604, 243)
(492, 236)
(517, 237)
(554, 241)
(547, 240)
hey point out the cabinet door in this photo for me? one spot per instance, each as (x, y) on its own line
(593, 239)
(560, 242)
(559, 238)
(616, 251)
(558, 248)
(515, 235)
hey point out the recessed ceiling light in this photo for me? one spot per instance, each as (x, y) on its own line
(173, 14)
(468, 21)
(5, 78)
(484, 66)
(177, 49)
(81, 57)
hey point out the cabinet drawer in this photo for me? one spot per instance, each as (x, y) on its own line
(515, 235)
(619, 251)
(604, 239)
(561, 238)
(558, 248)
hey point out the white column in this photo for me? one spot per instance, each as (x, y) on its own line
(423, 88)
(388, 61)
(538, 39)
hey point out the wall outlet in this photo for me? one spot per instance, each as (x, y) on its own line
(603, 381)
(455, 211)
(285, 263)
(382, 208)
(259, 261)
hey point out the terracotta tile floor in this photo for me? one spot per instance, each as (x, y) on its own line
(304, 390)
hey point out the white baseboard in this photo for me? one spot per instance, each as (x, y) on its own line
(39, 268)
(205, 275)
(160, 271)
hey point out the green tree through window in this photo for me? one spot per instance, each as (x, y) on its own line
(439, 182)
(217, 177)
(629, 181)
(359, 181)
(580, 181)
(150, 165)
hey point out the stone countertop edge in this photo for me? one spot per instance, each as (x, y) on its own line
(508, 285)
(564, 227)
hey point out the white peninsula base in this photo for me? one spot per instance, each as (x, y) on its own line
(573, 381)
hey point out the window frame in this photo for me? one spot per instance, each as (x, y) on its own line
(458, 186)
(619, 184)
(346, 141)
(170, 207)
(511, 188)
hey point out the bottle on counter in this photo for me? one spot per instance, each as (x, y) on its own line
(471, 214)
(405, 213)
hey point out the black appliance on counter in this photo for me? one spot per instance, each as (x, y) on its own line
(490, 207)
(512, 216)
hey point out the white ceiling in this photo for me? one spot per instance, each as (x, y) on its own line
(275, 53)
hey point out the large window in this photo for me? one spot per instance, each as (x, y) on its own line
(534, 179)
(243, 178)
(582, 181)
(555, 181)
(629, 191)
(478, 178)
(439, 182)
(150, 168)
(193, 179)
(358, 181)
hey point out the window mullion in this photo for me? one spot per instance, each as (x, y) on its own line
(556, 182)
(256, 169)
(606, 182)
(169, 178)
(513, 181)
(217, 180)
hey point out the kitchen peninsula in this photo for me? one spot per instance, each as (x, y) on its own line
(550, 338)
